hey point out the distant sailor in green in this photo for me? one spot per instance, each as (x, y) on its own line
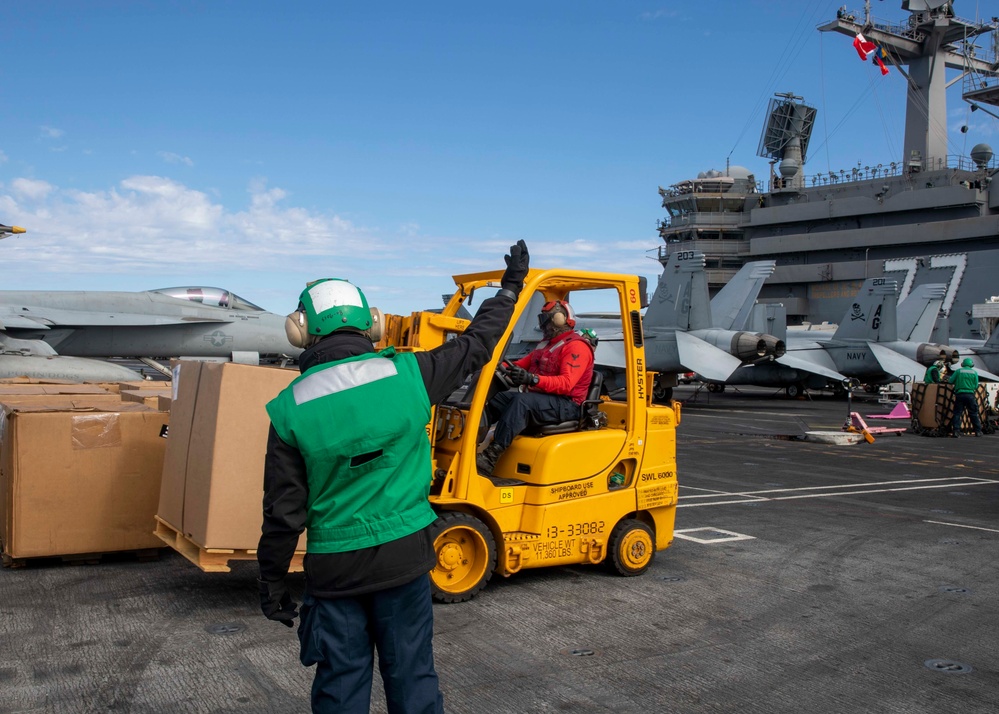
(932, 375)
(348, 461)
(965, 381)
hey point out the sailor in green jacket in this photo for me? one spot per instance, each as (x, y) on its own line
(965, 381)
(348, 461)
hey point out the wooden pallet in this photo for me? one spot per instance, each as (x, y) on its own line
(142, 555)
(211, 560)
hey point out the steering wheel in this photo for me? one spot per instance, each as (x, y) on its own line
(503, 375)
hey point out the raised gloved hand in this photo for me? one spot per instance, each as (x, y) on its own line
(520, 376)
(276, 602)
(517, 264)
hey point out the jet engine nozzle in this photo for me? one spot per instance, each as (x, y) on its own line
(775, 347)
(928, 353)
(748, 346)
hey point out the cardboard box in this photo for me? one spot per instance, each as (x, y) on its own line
(164, 404)
(213, 471)
(64, 401)
(149, 397)
(52, 389)
(79, 480)
(34, 380)
(118, 387)
(186, 376)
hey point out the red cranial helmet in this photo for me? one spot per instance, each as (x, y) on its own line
(556, 316)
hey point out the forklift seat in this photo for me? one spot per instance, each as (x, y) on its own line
(590, 416)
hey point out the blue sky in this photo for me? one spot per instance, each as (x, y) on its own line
(257, 145)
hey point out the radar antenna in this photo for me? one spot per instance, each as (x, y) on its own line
(785, 138)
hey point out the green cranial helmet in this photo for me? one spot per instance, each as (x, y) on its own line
(968, 362)
(333, 304)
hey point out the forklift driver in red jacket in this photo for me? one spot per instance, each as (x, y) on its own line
(556, 376)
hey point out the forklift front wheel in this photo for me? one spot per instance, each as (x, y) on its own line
(632, 547)
(466, 556)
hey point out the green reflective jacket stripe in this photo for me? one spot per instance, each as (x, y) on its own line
(360, 425)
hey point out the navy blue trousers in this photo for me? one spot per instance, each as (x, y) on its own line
(338, 636)
(970, 402)
(512, 411)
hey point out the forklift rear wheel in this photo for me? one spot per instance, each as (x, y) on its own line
(632, 547)
(466, 556)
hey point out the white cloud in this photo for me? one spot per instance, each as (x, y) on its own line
(148, 227)
(30, 189)
(172, 158)
(49, 132)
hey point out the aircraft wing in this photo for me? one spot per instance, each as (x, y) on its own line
(807, 365)
(610, 351)
(895, 364)
(982, 369)
(37, 318)
(705, 359)
(17, 322)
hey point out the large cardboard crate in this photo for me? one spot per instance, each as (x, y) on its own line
(20, 389)
(213, 469)
(64, 401)
(78, 478)
(134, 385)
(149, 397)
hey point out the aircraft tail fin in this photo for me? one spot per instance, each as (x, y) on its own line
(873, 315)
(681, 299)
(917, 314)
(526, 333)
(732, 306)
(769, 318)
(993, 341)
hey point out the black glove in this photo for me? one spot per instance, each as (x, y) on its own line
(519, 376)
(516, 268)
(276, 602)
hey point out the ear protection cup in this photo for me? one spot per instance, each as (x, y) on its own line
(377, 329)
(296, 327)
(560, 317)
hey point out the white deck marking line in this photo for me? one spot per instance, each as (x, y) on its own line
(842, 485)
(828, 495)
(756, 416)
(961, 525)
(684, 534)
(709, 490)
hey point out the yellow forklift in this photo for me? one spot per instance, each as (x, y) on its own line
(602, 489)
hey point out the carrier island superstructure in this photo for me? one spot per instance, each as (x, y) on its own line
(926, 217)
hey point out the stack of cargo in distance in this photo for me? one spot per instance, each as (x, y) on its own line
(210, 506)
(79, 470)
(933, 410)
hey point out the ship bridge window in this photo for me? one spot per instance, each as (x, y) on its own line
(210, 297)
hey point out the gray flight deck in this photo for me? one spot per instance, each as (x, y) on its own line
(804, 578)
